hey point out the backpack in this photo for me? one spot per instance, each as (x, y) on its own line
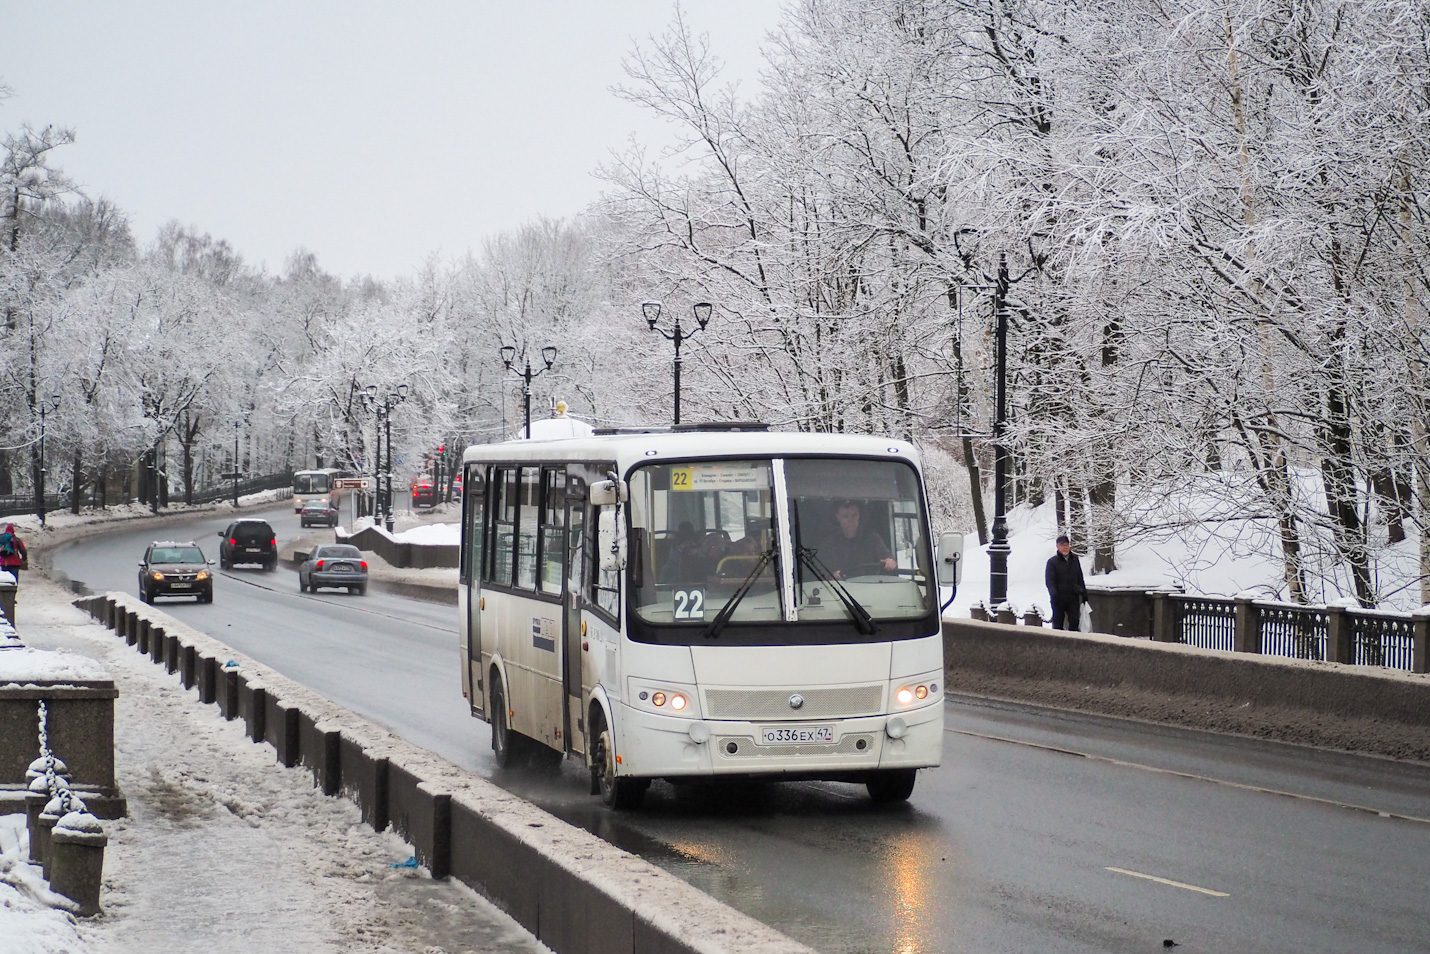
(7, 544)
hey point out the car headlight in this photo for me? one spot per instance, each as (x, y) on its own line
(203, 575)
(157, 575)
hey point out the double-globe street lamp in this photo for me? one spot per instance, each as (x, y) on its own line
(651, 312)
(45, 406)
(508, 355)
(383, 406)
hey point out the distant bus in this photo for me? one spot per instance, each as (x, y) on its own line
(684, 606)
(309, 485)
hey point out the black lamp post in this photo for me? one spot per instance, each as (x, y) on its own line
(651, 312)
(999, 549)
(384, 406)
(47, 405)
(235, 463)
(508, 355)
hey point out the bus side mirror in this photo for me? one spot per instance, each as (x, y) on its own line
(950, 558)
(610, 541)
(606, 493)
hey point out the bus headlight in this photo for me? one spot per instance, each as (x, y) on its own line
(897, 728)
(668, 700)
(699, 733)
(919, 693)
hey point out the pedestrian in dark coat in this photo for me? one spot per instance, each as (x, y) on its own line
(1066, 589)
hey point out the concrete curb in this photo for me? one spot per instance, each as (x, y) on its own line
(1328, 705)
(572, 891)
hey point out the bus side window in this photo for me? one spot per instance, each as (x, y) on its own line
(553, 529)
(576, 544)
(503, 511)
(474, 521)
(527, 527)
(603, 585)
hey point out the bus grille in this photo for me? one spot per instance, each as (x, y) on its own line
(747, 749)
(765, 705)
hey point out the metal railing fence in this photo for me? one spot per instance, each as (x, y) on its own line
(19, 504)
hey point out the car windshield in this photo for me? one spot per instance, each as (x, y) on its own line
(705, 538)
(310, 483)
(334, 552)
(176, 555)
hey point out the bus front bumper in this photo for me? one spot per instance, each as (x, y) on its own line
(654, 746)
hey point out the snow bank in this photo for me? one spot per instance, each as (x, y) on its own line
(28, 665)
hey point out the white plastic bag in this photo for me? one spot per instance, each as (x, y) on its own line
(1084, 623)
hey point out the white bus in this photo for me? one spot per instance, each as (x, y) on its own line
(309, 485)
(692, 605)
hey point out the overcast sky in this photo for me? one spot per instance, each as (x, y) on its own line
(373, 134)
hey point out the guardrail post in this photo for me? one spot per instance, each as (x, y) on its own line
(1246, 631)
(1164, 629)
(1340, 647)
(1420, 641)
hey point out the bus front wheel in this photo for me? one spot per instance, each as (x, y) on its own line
(894, 785)
(619, 793)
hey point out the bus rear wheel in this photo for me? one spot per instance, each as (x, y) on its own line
(504, 747)
(894, 785)
(617, 792)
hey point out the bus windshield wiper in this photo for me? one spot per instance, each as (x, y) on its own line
(728, 610)
(862, 620)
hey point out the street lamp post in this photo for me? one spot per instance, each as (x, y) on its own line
(651, 312)
(999, 549)
(508, 355)
(235, 463)
(384, 405)
(47, 405)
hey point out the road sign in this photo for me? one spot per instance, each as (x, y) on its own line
(352, 483)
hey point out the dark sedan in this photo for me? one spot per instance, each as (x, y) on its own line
(424, 492)
(175, 569)
(317, 514)
(334, 565)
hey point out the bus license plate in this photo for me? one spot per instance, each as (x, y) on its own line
(781, 734)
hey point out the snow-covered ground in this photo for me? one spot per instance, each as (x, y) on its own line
(223, 849)
(1210, 557)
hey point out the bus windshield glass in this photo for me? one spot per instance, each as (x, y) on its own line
(858, 534)
(705, 536)
(310, 483)
(699, 530)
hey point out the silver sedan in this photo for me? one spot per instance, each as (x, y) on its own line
(335, 565)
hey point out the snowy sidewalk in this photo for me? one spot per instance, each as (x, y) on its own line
(224, 849)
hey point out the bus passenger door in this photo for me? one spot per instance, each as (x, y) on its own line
(572, 654)
(473, 565)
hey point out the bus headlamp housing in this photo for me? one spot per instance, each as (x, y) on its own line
(914, 693)
(669, 699)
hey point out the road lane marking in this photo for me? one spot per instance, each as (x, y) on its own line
(1261, 789)
(1168, 881)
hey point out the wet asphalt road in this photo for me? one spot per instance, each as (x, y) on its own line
(1042, 831)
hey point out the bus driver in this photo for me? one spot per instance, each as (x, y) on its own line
(853, 550)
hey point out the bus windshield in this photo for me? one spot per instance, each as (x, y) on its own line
(310, 483)
(706, 537)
